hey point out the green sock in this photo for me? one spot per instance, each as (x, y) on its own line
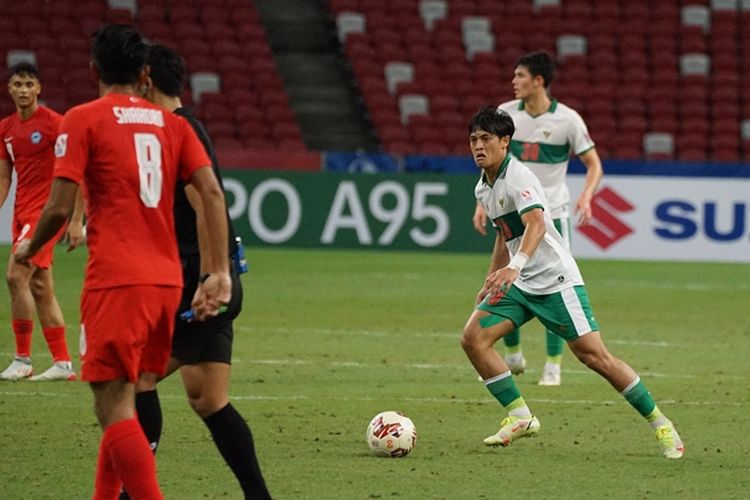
(503, 387)
(513, 341)
(554, 360)
(554, 347)
(639, 397)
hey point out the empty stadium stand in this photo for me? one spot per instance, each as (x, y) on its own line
(236, 86)
(659, 80)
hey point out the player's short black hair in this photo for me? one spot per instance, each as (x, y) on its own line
(492, 120)
(23, 68)
(539, 64)
(166, 69)
(119, 53)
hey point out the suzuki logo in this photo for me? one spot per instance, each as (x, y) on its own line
(605, 228)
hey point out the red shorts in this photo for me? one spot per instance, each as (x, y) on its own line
(126, 331)
(24, 229)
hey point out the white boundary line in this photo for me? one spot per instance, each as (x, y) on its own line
(602, 402)
(465, 367)
(457, 334)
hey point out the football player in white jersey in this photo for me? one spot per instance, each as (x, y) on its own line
(547, 132)
(532, 274)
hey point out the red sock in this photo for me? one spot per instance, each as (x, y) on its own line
(22, 329)
(132, 459)
(55, 336)
(106, 485)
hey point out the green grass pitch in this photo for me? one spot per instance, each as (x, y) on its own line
(328, 339)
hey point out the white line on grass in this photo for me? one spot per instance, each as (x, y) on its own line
(457, 334)
(464, 367)
(699, 287)
(602, 402)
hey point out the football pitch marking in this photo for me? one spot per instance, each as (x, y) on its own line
(457, 334)
(465, 367)
(693, 287)
(601, 402)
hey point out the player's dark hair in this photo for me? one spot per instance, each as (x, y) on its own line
(492, 120)
(23, 68)
(166, 69)
(539, 64)
(119, 54)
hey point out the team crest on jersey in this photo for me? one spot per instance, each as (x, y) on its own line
(36, 137)
(546, 133)
(61, 145)
(501, 202)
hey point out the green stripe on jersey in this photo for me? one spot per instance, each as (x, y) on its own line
(537, 152)
(510, 224)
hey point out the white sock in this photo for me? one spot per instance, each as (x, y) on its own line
(521, 411)
(552, 368)
(514, 359)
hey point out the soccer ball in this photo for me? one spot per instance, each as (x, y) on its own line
(391, 434)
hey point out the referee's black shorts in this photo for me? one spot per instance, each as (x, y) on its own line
(211, 340)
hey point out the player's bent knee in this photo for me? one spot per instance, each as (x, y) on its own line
(471, 339)
(205, 406)
(146, 382)
(15, 280)
(39, 289)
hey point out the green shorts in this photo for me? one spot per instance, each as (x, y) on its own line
(566, 313)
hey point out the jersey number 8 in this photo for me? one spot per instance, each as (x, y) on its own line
(148, 156)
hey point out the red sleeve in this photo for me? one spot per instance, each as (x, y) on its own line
(192, 153)
(72, 147)
(56, 120)
(4, 149)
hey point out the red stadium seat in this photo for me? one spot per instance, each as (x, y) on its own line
(344, 5)
(690, 126)
(692, 154)
(666, 124)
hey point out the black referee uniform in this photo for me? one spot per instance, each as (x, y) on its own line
(209, 340)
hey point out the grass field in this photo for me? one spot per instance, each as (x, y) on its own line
(330, 338)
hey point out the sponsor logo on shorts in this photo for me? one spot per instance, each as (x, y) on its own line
(82, 341)
(24, 231)
(605, 228)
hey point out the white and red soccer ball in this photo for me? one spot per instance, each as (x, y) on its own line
(391, 434)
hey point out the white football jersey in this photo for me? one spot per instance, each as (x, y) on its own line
(516, 190)
(544, 143)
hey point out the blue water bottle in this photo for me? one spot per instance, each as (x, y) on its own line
(239, 257)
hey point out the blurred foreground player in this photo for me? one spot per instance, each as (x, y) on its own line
(532, 274)
(128, 154)
(29, 136)
(202, 350)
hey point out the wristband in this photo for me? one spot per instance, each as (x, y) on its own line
(518, 261)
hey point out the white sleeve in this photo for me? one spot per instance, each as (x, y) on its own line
(578, 135)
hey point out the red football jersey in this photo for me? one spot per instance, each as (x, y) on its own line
(128, 153)
(28, 146)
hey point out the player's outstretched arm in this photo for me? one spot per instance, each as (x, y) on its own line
(533, 233)
(215, 289)
(594, 173)
(479, 219)
(204, 246)
(499, 259)
(54, 214)
(75, 234)
(6, 177)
